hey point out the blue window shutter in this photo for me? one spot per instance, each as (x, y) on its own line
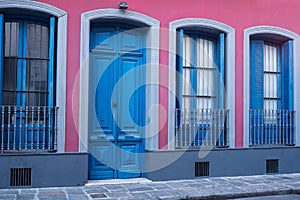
(222, 68)
(279, 92)
(1, 53)
(23, 64)
(287, 75)
(179, 66)
(51, 62)
(257, 74)
(193, 75)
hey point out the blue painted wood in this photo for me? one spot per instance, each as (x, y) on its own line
(222, 68)
(179, 68)
(23, 64)
(279, 85)
(51, 62)
(287, 75)
(21, 39)
(123, 53)
(1, 54)
(257, 74)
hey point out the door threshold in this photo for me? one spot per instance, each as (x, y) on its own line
(117, 181)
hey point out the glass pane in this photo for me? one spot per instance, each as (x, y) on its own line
(205, 64)
(186, 81)
(270, 75)
(37, 40)
(11, 38)
(187, 50)
(37, 65)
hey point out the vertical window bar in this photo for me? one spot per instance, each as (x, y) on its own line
(2, 127)
(26, 127)
(32, 127)
(44, 128)
(19, 120)
(15, 127)
(49, 129)
(38, 127)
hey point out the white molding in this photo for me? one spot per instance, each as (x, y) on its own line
(61, 57)
(32, 5)
(230, 71)
(152, 73)
(296, 44)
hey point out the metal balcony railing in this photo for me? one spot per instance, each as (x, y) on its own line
(201, 127)
(30, 128)
(272, 127)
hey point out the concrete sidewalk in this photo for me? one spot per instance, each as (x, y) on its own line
(202, 188)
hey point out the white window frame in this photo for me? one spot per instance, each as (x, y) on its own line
(61, 54)
(296, 73)
(230, 72)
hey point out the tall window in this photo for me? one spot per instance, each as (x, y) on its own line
(271, 92)
(201, 115)
(28, 71)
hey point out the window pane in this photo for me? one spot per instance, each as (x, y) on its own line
(205, 64)
(11, 39)
(270, 77)
(37, 65)
(187, 50)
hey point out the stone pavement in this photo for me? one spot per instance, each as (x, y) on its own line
(202, 188)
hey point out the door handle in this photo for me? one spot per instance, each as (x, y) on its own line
(114, 104)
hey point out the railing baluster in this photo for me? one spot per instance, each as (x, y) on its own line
(15, 127)
(32, 127)
(26, 127)
(55, 127)
(44, 128)
(49, 128)
(38, 128)
(2, 129)
(20, 127)
(8, 128)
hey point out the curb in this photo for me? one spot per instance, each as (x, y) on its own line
(245, 195)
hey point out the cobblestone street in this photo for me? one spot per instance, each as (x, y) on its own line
(203, 188)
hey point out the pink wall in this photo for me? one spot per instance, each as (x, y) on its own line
(235, 13)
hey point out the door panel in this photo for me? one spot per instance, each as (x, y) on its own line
(102, 123)
(115, 106)
(101, 159)
(129, 100)
(129, 162)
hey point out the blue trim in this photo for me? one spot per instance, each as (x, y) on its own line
(20, 62)
(257, 75)
(222, 69)
(193, 74)
(179, 68)
(1, 54)
(51, 62)
(287, 75)
(290, 71)
(279, 69)
(24, 67)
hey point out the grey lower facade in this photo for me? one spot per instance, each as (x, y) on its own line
(180, 164)
(71, 169)
(43, 170)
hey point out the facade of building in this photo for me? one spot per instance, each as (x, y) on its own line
(162, 89)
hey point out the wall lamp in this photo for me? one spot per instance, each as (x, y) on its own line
(123, 5)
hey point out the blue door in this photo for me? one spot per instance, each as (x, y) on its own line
(116, 102)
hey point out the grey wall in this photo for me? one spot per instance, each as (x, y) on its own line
(57, 169)
(178, 164)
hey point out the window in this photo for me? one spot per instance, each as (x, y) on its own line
(201, 115)
(28, 81)
(271, 91)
